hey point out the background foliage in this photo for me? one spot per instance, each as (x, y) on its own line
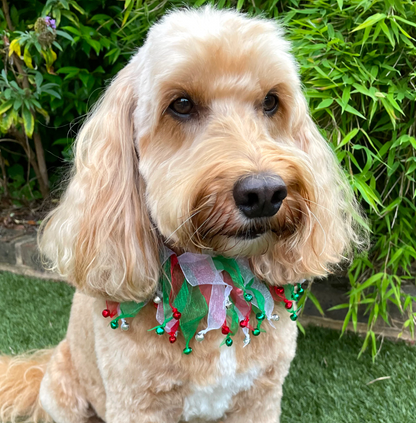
(357, 61)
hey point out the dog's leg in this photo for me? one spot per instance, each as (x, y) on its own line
(261, 403)
(60, 393)
(141, 405)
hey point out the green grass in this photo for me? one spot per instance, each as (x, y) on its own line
(326, 384)
(34, 313)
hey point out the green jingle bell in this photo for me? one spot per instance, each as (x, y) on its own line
(114, 325)
(260, 316)
(248, 297)
(160, 330)
(293, 317)
(256, 332)
(301, 291)
(187, 350)
(228, 342)
(296, 297)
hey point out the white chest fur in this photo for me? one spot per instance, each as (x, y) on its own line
(212, 401)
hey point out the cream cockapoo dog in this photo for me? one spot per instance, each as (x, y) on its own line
(203, 142)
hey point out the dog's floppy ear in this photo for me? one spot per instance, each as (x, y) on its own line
(331, 216)
(100, 236)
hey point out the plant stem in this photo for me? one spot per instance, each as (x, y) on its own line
(21, 139)
(41, 158)
(3, 171)
(7, 15)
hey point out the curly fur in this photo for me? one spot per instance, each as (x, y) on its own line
(142, 178)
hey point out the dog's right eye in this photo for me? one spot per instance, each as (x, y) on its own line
(182, 106)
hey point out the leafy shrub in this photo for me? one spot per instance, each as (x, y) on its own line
(357, 61)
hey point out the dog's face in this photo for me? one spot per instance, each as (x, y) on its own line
(223, 167)
(204, 141)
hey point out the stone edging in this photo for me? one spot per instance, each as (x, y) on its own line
(19, 254)
(388, 332)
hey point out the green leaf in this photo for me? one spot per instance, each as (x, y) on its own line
(77, 7)
(395, 257)
(386, 30)
(350, 109)
(128, 8)
(28, 121)
(75, 31)
(27, 58)
(68, 69)
(346, 321)
(64, 34)
(346, 95)
(348, 138)
(370, 21)
(369, 282)
(338, 307)
(6, 106)
(300, 327)
(63, 141)
(53, 93)
(367, 192)
(325, 103)
(95, 45)
(315, 302)
(405, 21)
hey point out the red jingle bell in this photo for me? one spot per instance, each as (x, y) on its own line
(225, 330)
(106, 313)
(177, 315)
(243, 323)
(280, 290)
(172, 339)
(289, 305)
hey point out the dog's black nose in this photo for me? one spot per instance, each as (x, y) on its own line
(260, 195)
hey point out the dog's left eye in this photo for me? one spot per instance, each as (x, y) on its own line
(270, 104)
(182, 106)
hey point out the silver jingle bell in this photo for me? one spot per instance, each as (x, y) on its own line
(124, 325)
(199, 337)
(247, 340)
(157, 299)
(274, 317)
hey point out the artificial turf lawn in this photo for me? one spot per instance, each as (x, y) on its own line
(326, 384)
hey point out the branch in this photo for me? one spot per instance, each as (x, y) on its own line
(41, 158)
(7, 15)
(20, 139)
(3, 171)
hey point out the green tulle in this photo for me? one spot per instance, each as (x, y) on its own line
(192, 305)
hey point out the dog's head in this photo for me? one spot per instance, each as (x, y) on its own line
(204, 142)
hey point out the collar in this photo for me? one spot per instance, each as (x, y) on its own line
(223, 290)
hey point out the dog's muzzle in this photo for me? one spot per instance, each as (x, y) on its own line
(259, 195)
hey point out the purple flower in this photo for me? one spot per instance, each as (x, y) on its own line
(50, 22)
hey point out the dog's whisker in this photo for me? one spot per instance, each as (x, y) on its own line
(320, 205)
(319, 223)
(181, 225)
(196, 231)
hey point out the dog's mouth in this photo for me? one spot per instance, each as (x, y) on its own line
(248, 233)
